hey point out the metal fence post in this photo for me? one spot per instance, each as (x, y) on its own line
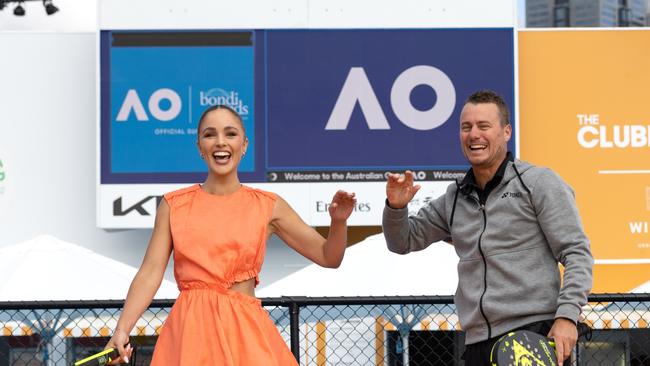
(294, 329)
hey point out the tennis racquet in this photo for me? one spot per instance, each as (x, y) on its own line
(523, 348)
(103, 358)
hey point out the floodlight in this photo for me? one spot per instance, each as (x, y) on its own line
(49, 7)
(19, 10)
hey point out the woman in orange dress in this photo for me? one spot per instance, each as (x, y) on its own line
(218, 232)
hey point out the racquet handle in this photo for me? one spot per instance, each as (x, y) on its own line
(99, 359)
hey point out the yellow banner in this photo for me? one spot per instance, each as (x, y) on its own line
(585, 113)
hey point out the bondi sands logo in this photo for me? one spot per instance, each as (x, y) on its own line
(220, 96)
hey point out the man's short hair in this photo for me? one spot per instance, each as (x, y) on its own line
(489, 96)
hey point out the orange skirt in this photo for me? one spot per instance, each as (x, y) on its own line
(210, 325)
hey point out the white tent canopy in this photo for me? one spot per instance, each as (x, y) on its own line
(46, 268)
(369, 269)
(643, 288)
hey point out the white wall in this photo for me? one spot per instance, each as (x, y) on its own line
(48, 100)
(47, 143)
(198, 14)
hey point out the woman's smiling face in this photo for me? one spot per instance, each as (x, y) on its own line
(222, 141)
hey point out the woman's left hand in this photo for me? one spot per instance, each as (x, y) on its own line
(342, 205)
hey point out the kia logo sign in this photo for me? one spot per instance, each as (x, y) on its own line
(120, 210)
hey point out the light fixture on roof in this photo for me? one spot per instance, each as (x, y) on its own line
(19, 11)
(49, 7)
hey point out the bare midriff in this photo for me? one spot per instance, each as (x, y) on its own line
(245, 287)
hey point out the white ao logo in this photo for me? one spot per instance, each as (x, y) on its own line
(133, 103)
(357, 88)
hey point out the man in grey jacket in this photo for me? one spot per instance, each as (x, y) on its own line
(510, 223)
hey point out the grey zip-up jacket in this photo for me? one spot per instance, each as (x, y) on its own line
(509, 249)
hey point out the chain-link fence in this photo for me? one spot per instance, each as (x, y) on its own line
(395, 331)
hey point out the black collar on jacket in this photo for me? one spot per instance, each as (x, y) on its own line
(468, 184)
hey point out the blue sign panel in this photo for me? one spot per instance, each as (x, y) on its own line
(157, 86)
(378, 99)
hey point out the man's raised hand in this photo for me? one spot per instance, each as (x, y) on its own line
(400, 189)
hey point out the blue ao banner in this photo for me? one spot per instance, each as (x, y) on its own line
(155, 85)
(378, 99)
(318, 105)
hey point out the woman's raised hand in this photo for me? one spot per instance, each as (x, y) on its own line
(342, 205)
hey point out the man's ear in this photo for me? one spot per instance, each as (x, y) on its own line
(507, 132)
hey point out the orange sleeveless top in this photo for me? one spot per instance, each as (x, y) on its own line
(219, 240)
